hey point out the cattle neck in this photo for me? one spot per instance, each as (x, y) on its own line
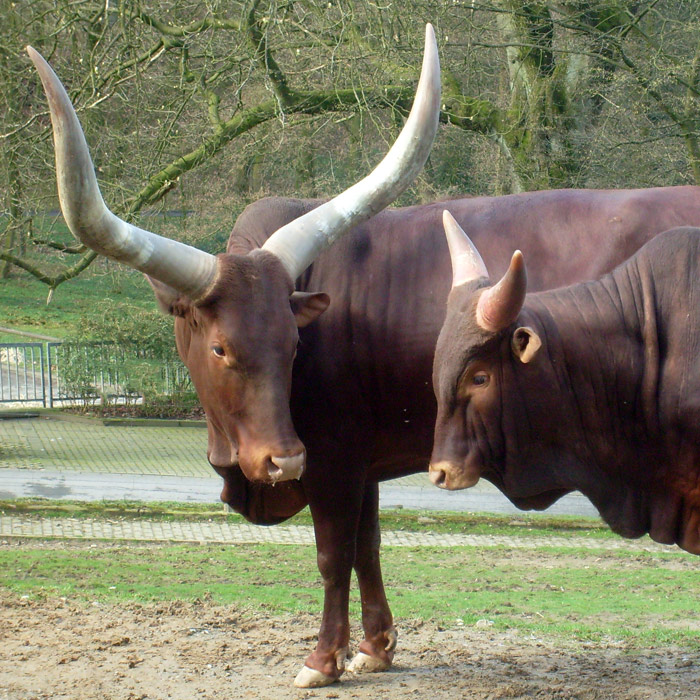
(626, 347)
(602, 376)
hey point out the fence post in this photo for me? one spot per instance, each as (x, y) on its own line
(48, 359)
(43, 379)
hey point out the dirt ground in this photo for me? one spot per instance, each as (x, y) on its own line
(182, 651)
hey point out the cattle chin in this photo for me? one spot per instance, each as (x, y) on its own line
(451, 476)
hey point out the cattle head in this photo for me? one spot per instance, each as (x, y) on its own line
(239, 343)
(479, 349)
(237, 316)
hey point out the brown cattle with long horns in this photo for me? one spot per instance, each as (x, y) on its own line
(355, 406)
(593, 387)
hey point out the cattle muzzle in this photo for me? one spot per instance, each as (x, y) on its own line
(260, 461)
(451, 476)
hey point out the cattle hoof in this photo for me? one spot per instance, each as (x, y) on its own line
(311, 678)
(364, 663)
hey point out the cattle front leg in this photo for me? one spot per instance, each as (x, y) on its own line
(377, 649)
(335, 519)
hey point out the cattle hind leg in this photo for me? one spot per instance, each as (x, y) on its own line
(377, 649)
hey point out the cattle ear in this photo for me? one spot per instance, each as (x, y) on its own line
(169, 300)
(308, 306)
(525, 343)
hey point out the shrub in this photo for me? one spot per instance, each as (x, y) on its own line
(127, 356)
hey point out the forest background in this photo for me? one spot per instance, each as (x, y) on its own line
(194, 109)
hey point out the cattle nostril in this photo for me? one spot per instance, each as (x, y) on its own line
(438, 477)
(283, 468)
(274, 473)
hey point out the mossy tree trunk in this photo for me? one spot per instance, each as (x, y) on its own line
(560, 59)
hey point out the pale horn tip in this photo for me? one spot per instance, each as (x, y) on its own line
(430, 55)
(467, 264)
(37, 59)
(448, 219)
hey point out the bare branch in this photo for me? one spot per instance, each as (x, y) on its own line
(70, 250)
(48, 280)
(303, 103)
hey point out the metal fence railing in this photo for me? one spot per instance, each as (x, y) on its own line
(99, 372)
(22, 372)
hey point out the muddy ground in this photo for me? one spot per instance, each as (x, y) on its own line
(182, 651)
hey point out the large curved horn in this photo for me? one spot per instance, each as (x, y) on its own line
(467, 264)
(500, 305)
(189, 270)
(299, 243)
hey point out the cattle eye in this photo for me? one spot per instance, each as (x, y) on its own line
(480, 379)
(218, 350)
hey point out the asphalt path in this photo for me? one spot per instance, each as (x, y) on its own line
(61, 456)
(408, 493)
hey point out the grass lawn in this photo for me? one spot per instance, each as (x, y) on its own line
(584, 594)
(23, 300)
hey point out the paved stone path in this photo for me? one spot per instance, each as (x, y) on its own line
(62, 442)
(205, 532)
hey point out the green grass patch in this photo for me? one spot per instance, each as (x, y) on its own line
(23, 300)
(642, 599)
(524, 525)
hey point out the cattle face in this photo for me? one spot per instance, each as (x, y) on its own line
(237, 316)
(475, 352)
(239, 343)
(476, 378)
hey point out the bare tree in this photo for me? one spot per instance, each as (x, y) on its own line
(163, 88)
(572, 73)
(300, 96)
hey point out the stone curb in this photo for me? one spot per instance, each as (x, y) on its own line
(205, 532)
(66, 417)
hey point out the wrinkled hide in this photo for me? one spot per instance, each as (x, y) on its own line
(608, 404)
